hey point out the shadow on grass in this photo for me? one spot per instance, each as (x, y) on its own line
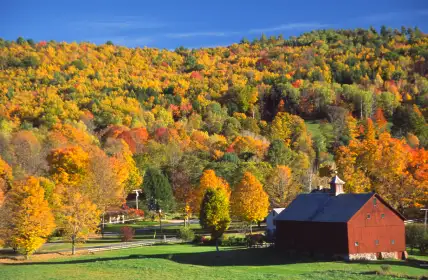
(226, 257)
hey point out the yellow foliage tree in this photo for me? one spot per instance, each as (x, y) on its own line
(280, 187)
(5, 179)
(31, 220)
(78, 217)
(209, 180)
(249, 201)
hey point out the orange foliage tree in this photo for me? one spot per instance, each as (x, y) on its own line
(386, 165)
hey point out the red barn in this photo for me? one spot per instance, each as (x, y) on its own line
(333, 223)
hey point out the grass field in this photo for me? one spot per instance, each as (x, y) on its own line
(196, 262)
(313, 128)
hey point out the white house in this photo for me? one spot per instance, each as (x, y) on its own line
(270, 224)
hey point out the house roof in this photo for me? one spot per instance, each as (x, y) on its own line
(324, 207)
(278, 210)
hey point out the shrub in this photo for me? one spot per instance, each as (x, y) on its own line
(135, 213)
(234, 241)
(202, 240)
(198, 239)
(255, 239)
(423, 246)
(186, 234)
(127, 233)
(385, 267)
(416, 237)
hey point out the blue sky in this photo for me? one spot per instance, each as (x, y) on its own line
(172, 23)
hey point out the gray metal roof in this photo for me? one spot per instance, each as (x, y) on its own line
(324, 207)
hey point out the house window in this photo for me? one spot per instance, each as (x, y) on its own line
(368, 216)
(274, 222)
(376, 242)
(392, 241)
(357, 244)
(273, 213)
(375, 201)
(382, 216)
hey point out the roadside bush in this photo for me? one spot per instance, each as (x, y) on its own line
(186, 234)
(127, 233)
(416, 237)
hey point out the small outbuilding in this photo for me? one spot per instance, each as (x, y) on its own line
(333, 223)
(270, 221)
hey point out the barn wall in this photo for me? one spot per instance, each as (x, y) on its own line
(316, 237)
(387, 230)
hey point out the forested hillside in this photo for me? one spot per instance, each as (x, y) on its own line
(90, 123)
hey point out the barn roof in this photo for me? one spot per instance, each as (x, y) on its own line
(324, 207)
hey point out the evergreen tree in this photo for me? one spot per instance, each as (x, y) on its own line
(157, 189)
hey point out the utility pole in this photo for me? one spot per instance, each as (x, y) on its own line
(426, 216)
(137, 194)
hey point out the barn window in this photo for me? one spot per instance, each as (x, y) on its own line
(382, 216)
(368, 216)
(375, 201)
(376, 242)
(392, 241)
(356, 244)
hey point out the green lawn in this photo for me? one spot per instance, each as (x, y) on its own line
(196, 262)
(313, 127)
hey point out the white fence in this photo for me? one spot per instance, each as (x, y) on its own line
(134, 244)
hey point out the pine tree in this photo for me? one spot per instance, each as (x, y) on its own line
(157, 189)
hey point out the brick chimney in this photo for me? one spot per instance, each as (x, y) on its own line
(336, 185)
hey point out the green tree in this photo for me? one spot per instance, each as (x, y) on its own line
(157, 189)
(279, 153)
(214, 212)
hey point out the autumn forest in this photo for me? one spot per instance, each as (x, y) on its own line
(83, 125)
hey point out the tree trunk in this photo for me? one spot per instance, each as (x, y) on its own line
(102, 225)
(73, 244)
(160, 223)
(216, 244)
(251, 228)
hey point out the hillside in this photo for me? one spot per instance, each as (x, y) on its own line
(98, 116)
